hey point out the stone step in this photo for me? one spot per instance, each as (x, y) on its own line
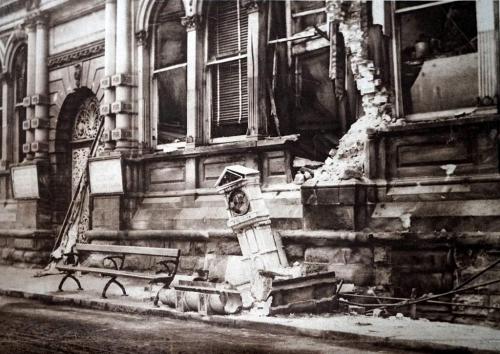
(428, 216)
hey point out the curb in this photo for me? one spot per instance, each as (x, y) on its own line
(223, 321)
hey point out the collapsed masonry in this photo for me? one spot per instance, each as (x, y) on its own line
(369, 65)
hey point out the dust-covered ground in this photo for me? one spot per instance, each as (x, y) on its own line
(32, 327)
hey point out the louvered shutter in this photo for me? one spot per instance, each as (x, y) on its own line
(228, 32)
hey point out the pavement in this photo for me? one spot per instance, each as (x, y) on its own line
(419, 335)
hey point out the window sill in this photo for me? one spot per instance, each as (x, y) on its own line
(171, 147)
(451, 113)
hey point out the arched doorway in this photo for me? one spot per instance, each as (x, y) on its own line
(83, 132)
(77, 127)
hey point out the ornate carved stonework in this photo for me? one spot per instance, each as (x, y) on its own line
(87, 120)
(71, 56)
(252, 5)
(191, 23)
(85, 126)
(142, 37)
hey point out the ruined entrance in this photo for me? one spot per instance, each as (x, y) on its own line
(83, 132)
(78, 125)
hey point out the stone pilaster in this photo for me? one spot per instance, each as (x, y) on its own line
(256, 49)
(30, 88)
(143, 124)
(109, 70)
(122, 106)
(41, 121)
(194, 131)
(6, 84)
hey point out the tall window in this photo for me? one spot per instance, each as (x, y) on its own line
(227, 64)
(169, 74)
(20, 67)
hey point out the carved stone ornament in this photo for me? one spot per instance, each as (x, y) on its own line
(76, 55)
(85, 127)
(142, 37)
(87, 120)
(191, 23)
(252, 5)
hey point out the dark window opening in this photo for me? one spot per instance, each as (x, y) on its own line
(170, 63)
(438, 48)
(20, 89)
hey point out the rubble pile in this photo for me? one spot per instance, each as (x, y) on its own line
(348, 161)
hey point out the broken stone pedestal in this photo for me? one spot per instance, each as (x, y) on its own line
(268, 285)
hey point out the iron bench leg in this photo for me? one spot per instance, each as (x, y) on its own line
(165, 286)
(69, 275)
(113, 280)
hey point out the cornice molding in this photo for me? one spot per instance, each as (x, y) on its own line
(75, 55)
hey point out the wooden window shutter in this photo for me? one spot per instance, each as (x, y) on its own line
(228, 32)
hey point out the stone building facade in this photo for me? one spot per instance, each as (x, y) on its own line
(385, 114)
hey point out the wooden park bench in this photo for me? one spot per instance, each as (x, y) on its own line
(118, 253)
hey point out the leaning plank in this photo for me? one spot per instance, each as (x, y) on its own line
(145, 251)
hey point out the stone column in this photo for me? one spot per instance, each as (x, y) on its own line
(143, 124)
(487, 47)
(122, 79)
(5, 82)
(30, 89)
(256, 59)
(41, 121)
(109, 70)
(194, 131)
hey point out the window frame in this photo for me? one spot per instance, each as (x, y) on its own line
(153, 87)
(395, 15)
(208, 67)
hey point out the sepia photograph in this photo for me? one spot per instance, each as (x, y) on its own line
(249, 176)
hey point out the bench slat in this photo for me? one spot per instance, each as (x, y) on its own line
(145, 251)
(112, 272)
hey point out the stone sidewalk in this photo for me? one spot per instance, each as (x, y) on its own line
(398, 333)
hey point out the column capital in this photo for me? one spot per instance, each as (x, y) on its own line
(42, 20)
(142, 37)
(191, 23)
(4, 76)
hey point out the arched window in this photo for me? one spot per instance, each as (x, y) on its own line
(169, 74)
(19, 76)
(227, 68)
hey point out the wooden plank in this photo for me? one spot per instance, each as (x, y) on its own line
(145, 251)
(113, 272)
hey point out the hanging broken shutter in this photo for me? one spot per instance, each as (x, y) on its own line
(228, 29)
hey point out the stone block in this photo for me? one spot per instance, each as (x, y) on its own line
(3, 242)
(313, 267)
(339, 255)
(198, 248)
(188, 264)
(32, 244)
(382, 276)
(18, 256)
(184, 246)
(471, 299)
(382, 255)
(237, 271)
(7, 253)
(358, 274)
(36, 257)
(294, 252)
(227, 247)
